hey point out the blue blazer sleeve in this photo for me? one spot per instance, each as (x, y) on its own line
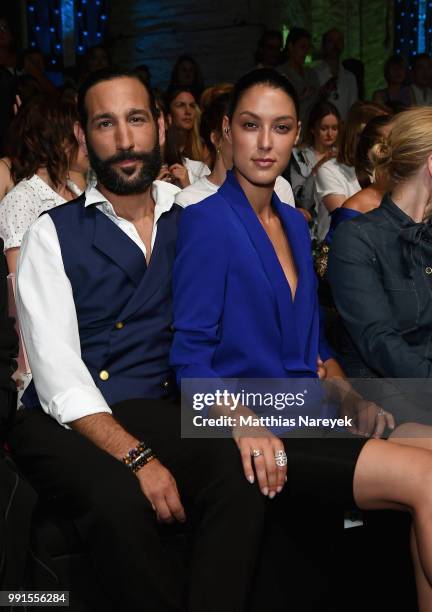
(199, 280)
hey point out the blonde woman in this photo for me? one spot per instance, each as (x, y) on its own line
(380, 263)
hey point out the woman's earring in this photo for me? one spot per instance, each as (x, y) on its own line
(226, 130)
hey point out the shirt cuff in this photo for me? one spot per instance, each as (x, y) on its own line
(76, 403)
(12, 242)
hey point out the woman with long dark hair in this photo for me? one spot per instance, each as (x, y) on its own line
(183, 152)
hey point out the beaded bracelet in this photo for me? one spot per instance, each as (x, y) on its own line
(138, 457)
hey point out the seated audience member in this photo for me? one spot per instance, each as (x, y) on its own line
(47, 168)
(6, 181)
(373, 188)
(378, 262)
(320, 144)
(186, 75)
(95, 58)
(396, 92)
(340, 84)
(303, 78)
(212, 92)
(370, 196)
(357, 68)
(336, 180)
(421, 68)
(215, 138)
(34, 66)
(235, 281)
(269, 49)
(99, 434)
(183, 148)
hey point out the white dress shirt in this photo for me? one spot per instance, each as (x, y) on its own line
(23, 205)
(203, 188)
(48, 317)
(346, 92)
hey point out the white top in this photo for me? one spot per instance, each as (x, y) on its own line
(64, 385)
(346, 92)
(195, 169)
(334, 178)
(23, 205)
(421, 97)
(203, 188)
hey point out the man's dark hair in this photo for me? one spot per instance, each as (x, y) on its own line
(261, 76)
(110, 74)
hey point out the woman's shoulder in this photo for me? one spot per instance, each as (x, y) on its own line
(196, 192)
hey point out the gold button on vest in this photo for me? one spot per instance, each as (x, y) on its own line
(103, 375)
(119, 325)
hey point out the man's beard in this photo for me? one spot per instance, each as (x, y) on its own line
(116, 180)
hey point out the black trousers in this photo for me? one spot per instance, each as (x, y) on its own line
(117, 522)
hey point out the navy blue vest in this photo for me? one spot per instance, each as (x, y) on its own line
(124, 309)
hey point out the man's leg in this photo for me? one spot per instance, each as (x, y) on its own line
(226, 511)
(116, 521)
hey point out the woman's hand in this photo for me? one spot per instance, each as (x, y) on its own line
(180, 174)
(368, 419)
(327, 155)
(260, 453)
(164, 174)
(321, 369)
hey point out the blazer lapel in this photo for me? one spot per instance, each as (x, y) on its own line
(118, 247)
(160, 265)
(235, 196)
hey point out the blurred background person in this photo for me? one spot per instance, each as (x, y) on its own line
(340, 84)
(336, 179)
(303, 78)
(184, 153)
(320, 143)
(47, 167)
(269, 50)
(421, 70)
(186, 74)
(396, 94)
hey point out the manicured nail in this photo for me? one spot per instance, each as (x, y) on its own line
(272, 494)
(265, 491)
(251, 478)
(286, 478)
(279, 489)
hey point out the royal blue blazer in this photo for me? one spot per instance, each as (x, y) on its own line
(234, 315)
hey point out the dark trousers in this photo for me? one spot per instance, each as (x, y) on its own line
(117, 523)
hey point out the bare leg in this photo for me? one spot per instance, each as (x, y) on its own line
(399, 476)
(420, 436)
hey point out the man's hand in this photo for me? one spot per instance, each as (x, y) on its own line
(159, 486)
(271, 478)
(155, 480)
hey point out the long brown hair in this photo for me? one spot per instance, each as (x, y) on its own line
(42, 136)
(359, 114)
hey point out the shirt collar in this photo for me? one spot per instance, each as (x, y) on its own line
(163, 194)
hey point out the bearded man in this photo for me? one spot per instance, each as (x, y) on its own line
(99, 436)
